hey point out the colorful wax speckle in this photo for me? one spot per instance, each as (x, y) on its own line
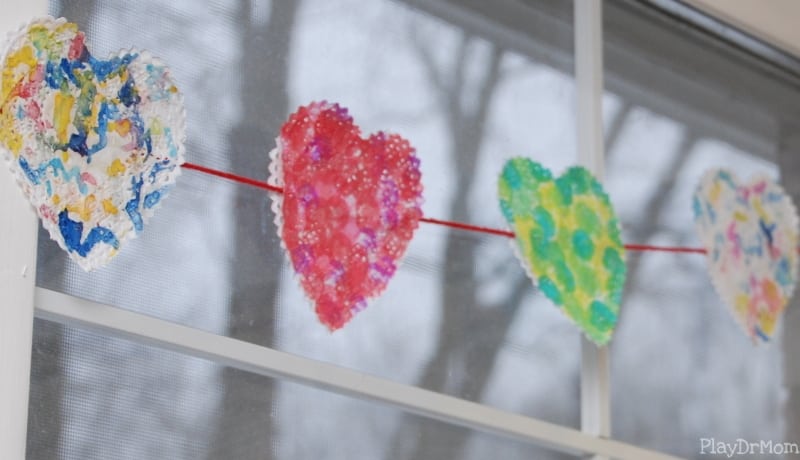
(568, 240)
(750, 233)
(94, 144)
(349, 208)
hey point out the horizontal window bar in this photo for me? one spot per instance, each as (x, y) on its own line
(115, 322)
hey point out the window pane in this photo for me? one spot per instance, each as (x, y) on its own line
(468, 85)
(677, 103)
(129, 402)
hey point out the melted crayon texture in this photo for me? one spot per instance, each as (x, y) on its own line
(750, 233)
(567, 237)
(349, 209)
(72, 231)
(87, 137)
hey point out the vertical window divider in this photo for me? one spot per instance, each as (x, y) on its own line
(17, 284)
(595, 402)
(18, 228)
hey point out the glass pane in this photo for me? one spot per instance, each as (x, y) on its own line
(678, 103)
(468, 85)
(128, 401)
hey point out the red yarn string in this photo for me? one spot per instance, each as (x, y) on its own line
(446, 223)
(234, 177)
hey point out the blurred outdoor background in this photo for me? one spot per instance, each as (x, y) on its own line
(470, 83)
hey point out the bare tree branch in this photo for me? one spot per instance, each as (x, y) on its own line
(470, 333)
(245, 426)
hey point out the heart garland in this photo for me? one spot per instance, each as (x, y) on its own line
(750, 234)
(349, 208)
(567, 239)
(95, 145)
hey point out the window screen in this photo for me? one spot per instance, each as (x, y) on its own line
(679, 102)
(121, 404)
(470, 85)
(460, 317)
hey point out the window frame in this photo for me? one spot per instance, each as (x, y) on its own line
(24, 301)
(17, 280)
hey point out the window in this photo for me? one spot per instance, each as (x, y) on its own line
(678, 102)
(447, 322)
(470, 85)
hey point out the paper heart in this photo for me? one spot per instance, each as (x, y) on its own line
(750, 233)
(94, 144)
(349, 208)
(567, 239)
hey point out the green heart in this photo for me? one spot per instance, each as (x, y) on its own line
(567, 238)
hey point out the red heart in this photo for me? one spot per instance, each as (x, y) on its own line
(349, 208)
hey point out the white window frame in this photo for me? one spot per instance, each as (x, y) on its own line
(18, 226)
(22, 300)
